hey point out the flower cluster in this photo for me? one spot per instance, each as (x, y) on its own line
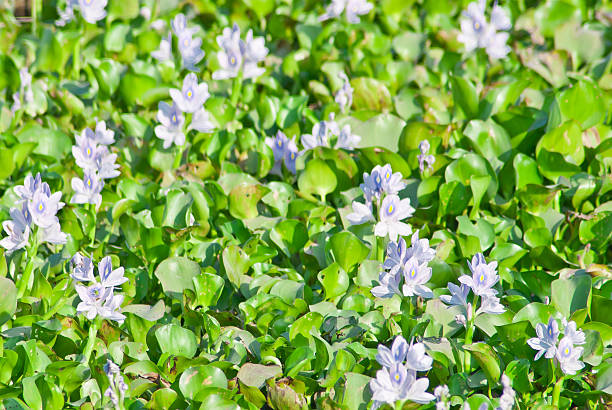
(397, 380)
(116, 385)
(352, 8)
(36, 209)
(91, 153)
(98, 298)
(381, 187)
(409, 264)
(567, 352)
(285, 150)
(237, 54)
(91, 10)
(477, 32)
(189, 47)
(323, 131)
(425, 157)
(25, 90)
(484, 277)
(344, 96)
(189, 99)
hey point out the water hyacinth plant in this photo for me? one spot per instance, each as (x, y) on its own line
(345, 204)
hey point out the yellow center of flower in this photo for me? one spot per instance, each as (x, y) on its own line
(40, 207)
(88, 1)
(189, 93)
(279, 143)
(89, 182)
(233, 60)
(397, 377)
(186, 42)
(88, 151)
(477, 25)
(388, 175)
(413, 273)
(481, 278)
(174, 118)
(293, 155)
(378, 180)
(390, 209)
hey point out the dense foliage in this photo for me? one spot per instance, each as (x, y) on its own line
(281, 204)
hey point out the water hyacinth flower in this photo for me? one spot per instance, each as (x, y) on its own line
(392, 212)
(102, 135)
(96, 300)
(30, 186)
(53, 234)
(506, 400)
(396, 254)
(191, 51)
(346, 139)
(87, 190)
(236, 54)
(200, 121)
(396, 355)
(164, 53)
(171, 128)
(568, 356)
(381, 180)
(576, 336)
(490, 304)
(352, 8)
(458, 296)
(67, 14)
(93, 10)
(415, 277)
(192, 96)
(18, 231)
(108, 276)
(291, 155)
(277, 144)
(399, 383)
(86, 150)
(361, 213)
(43, 208)
(546, 342)
(484, 276)
(82, 268)
(344, 96)
(389, 282)
(424, 157)
(106, 164)
(116, 385)
(442, 395)
(477, 32)
(25, 90)
(419, 249)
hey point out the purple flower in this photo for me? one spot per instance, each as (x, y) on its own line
(396, 355)
(66, 15)
(353, 8)
(392, 212)
(230, 61)
(192, 96)
(108, 276)
(30, 186)
(344, 96)
(568, 356)
(415, 277)
(86, 150)
(106, 164)
(200, 121)
(346, 139)
(43, 208)
(361, 213)
(458, 296)
(82, 268)
(93, 10)
(53, 234)
(547, 338)
(96, 300)
(484, 276)
(190, 50)
(424, 157)
(254, 52)
(164, 53)
(103, 136)
(399, 383)
(490, 304)
(576, 336)
(87, 190)
(388, 284)
(18, 230)
(171, 128)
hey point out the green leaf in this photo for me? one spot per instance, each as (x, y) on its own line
(176, 340)
(236, 263)
(176, 211)
(317, 178)
(290, 235)
(196, 378)
(347, 250)
(465, 96)
(8, 299)
(176, 274)
(150, 313)
(382, 130)
(357, 393)
(487, 359)
(525, 171)
(489, 140)
(596, 231)
(565, 140)
(243, 200)
(208, 288)
(371, 94)
(255, 375)
(334, 279)
(569, 295)
(53, 144)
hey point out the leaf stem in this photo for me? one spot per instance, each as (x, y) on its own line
(91, 338)
(236, 88)
(27, 273)
(469, 334)
(557, 392)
